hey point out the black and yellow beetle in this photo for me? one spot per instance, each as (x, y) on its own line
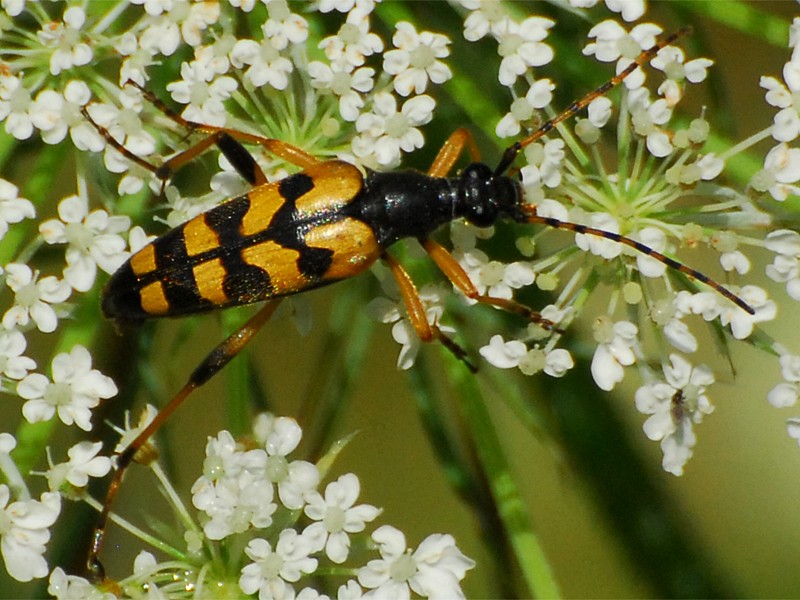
(330, 221)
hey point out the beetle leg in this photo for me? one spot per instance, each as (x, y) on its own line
(239, 157)
(459, 278)
(217, 358)
(426, 332)
(281, 149)
(229, 141)
(451, 150)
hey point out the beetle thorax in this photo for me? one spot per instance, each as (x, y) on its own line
(484, 197)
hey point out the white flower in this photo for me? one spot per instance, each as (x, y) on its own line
(678, 334)
(793, 428)
(67, 41)
(15, 107)
(72, 587)
(543, 164)
(710, 166)
(283, 26)
(735, 261)
(202, 93)
(201, 15)
(13, 8)
(494, 278)
(216, 56)
(135, 60)
(353, 42)
(786, 393)
(266, 65)
(485, 18)
(124, 125)
(656, 239)
(521, 47)
(7, 443)
(710, 305)
(33, 298)
(183, 208)
(24, 532)
(234, 505)
(631, 10)
(741, 322)
(93, 240)
(515, 353)
(169, 22)
(599, 111)
(385, 131)
(558, 362)
(233, 491)
(336, 516)
(12, 208)
(786, 125)
(75, 390)
(614, 43)
(781, 172)
(12, 363)
(555, 362)
(343, 6)
(502, 354)
(674, 406)
(294, 479)
(600, 246)
(414, 61)
(272, 571)
(160, 36)
(614, 351)
(648, 118)
(83, 463)
(434, 569)
(539, 95)
(670, 60)
(785, 266)
(55, 114)
(344, 83)
(349, 591)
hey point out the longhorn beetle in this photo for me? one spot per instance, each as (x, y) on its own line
(328, 222)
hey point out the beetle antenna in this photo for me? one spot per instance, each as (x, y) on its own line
(530, 216)
(529, 211)
(513, 151)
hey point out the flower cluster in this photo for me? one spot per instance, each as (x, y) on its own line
(289, 533)
(321, 78)
(647, 194)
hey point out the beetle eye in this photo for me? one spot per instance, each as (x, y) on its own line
(482, 214)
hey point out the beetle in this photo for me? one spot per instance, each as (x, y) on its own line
(328, 222)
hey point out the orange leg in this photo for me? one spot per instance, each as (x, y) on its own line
(426, 332)
(217, 358)
(451, 151)
(459, 278)
(441, 167)
(287, 152)
(229, 141)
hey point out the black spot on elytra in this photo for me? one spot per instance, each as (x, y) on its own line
(295, 186)
(314, 262)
